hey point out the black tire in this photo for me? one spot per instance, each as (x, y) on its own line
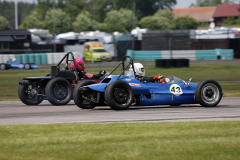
(78, 95)
(208, 93)
(119, 95)
(59, 91)
(27, 66)
(29, 95)
(3, 66)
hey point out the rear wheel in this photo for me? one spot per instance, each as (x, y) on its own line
(59, 91)
(208, 93)
(28, 94)
(119, 95)
(82, 97)
(3, 66)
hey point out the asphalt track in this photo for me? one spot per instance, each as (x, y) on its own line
(15, 112)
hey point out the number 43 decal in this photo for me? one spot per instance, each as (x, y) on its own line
(176, 89)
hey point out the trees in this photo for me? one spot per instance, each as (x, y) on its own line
(161, 20)
(156, 23)
(57, 21)
(106, 15)
(231, 21)
(34, 20)
(72, 7)
(7, 11)
(186, 22)
(4, 24)
(84, 22)
(164, 20)
(167, 13)
(206, 3)
(141, 8)
(121, 21)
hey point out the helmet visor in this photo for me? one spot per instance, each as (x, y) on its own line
(82, 64)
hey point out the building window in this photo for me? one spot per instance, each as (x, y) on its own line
(4, 45)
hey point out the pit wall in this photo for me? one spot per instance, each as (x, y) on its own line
(37, 58)
(215, 54)
(54, 58)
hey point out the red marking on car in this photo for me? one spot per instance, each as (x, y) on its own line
(135, 84)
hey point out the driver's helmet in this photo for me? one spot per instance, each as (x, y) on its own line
(139, 69)
(14, 60)
(79, 64)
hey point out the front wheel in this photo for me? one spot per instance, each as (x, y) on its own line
(59, 91)
(82, 97)
(119, 95)
(28, 94)
(208, 93)
(27, 66)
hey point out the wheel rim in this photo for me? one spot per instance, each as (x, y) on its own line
(2, 67)
(27, 66)
(210, 93)
(84, 96)
(121, 95)
(32, 94)
(61, 91)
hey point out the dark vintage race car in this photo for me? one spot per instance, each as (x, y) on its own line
(15, 65)
(121, 91)
(56, 87)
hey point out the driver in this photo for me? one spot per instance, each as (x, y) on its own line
(80, 70)
(140, 74)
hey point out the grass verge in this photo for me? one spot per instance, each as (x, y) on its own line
(172, 141)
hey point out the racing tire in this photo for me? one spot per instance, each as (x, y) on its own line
(78, 95)
(27, 66)
(59, 91)
(208, 93)
(28, 96)
(119, 95)
(3, 66)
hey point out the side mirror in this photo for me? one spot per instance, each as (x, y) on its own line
(186, 84)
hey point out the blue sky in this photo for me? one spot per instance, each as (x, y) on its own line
(184, 3)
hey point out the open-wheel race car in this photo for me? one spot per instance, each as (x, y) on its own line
(121, 91)
(56, 87)
(10, 64)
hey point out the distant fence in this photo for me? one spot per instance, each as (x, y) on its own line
(223, 54)
(54, 58)
(37, 58)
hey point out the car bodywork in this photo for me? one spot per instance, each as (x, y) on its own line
(174, 92)
(122, 91)
(94, 51)
(56, 87)
(15, 65)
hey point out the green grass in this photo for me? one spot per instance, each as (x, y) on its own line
(220, 72)
(230, 89)
(171, 141)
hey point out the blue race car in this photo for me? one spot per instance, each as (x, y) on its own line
(121, 91)
(15, 65)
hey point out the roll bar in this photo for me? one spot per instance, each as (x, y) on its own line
(125, 58)
(67, 62)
